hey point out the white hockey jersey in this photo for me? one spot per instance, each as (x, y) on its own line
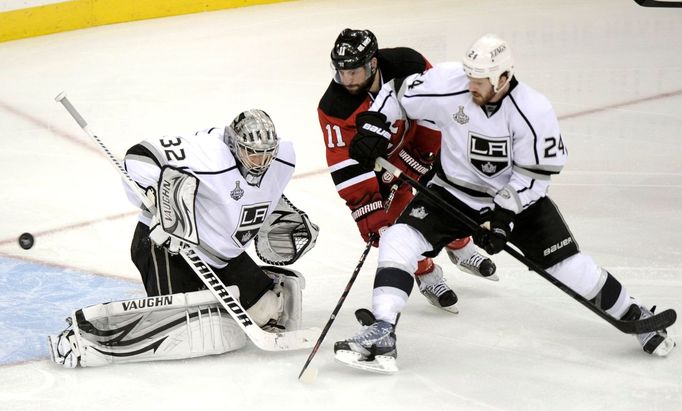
(514, 143)
(229, 212)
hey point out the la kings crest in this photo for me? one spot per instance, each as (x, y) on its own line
(251, 218)
(490, 156)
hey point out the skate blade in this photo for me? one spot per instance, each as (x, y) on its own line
(451, 309)
(664, 347)
(381, 364)
(492, 277)
(53, 349)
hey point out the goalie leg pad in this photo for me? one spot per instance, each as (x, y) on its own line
(267, 309)
(290, 284)
(150, 329)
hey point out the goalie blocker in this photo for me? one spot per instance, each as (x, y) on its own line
(170, 327)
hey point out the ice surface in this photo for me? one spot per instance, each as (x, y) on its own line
(613, 71)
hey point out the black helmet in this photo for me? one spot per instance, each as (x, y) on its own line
(353, 49)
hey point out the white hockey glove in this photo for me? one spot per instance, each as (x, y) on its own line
(286, 235)
(174, 224)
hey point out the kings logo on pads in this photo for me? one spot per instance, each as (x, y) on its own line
(251, 219)
(490, 156)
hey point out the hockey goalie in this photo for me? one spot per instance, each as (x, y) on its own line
(213, 193)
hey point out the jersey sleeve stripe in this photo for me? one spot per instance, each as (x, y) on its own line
(345, 183)
(146, 153)
(341, 164)
(472, 190)
(383, 103)
(292, 165)
(350, 172)
(530, 126)
(215, 172)
(455, 93)
(534, 174)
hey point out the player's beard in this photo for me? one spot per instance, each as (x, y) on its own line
(483, 99)
(361, 88)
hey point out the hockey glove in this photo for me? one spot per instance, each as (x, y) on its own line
(286, 235)
(501, 224)
(371, 140)
(156, 232)
(163, 239)
(371, 218)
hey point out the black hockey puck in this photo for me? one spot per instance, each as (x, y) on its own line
(26, 241)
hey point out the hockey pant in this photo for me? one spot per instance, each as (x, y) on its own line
(402, 247)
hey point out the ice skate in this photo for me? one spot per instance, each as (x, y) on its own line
(655, 343)
(64, 348)
(372, 349)
(472, 262)
(432, 285)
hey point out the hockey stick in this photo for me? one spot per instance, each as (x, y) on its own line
(338, 304)
(290, 340)
(656, 322)
(655, 3)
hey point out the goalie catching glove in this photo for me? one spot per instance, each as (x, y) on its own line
(286, 235)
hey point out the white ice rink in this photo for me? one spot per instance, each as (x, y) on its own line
(613, 71)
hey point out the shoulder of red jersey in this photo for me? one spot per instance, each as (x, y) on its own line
(339, 103)
(401, 62)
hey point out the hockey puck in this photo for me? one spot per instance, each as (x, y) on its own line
(26, 241)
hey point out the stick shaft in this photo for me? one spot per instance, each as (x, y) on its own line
(332, 317)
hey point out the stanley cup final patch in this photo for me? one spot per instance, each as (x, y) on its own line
(460, 116)
(237, 193)
(490, 156)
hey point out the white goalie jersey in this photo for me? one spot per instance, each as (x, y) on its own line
(229, 212)
(515, 143)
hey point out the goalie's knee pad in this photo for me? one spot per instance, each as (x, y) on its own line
(288, 287)
(166, 327)
(268, 309)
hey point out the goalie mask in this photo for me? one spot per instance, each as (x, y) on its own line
(253, 141)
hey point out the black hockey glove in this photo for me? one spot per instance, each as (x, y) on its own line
(501, 224)
(371, 140)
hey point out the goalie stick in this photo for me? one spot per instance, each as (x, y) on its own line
(280, 341)
(655, 322)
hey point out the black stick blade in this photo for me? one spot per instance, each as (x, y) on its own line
(656, 322)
